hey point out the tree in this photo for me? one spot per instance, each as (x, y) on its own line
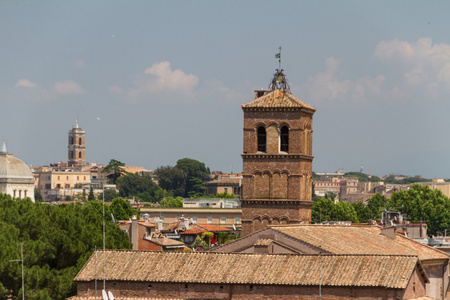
(171, 179)
(57, 241)
(376, 205)
(322, 210)
(420, 203)
(121, 209)
(110, 194)
(194, 172)
(91, 195)
(172, 202)
(139, 186)
(114, 170)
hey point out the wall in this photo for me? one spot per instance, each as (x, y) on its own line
(244, 291)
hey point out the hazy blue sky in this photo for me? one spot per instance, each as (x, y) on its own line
(156, 81)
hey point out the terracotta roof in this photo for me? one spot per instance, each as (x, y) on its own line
(121, 298)
(263, 242)
(214, 228)
(359, 240)
(277, 99)
(163, 241)
(393, 271)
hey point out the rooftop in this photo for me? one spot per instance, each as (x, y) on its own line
(389, 271)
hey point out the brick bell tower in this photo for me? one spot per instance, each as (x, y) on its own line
(76, 146)
(277, 158)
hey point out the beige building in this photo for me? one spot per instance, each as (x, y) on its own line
(226, 217)
(56, 185)
(336, 185)
(438, 184)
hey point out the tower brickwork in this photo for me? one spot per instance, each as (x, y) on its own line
(277, 160)
(77, 147)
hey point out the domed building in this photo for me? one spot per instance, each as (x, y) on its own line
(16, 178)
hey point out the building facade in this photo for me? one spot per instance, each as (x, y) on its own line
(277, 158)
(16, 178)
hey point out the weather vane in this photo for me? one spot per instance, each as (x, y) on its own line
(279, 79)
(278, 55)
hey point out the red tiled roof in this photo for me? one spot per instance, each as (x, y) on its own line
(214, 228)
(390, 271)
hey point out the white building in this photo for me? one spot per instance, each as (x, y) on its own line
(16, 178)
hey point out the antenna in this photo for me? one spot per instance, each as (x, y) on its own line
(278, 55)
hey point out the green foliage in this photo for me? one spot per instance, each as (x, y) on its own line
(375, 206)
(114, 169)
(139, 186)
(325, 210)
(37, 195)
(362, 211)
(391, 179)
(225, 195)
(171, 179)
(420, 203)
(110, 194)
(172, 202)
(57, 241)
(362, 177)
(208, 236)
(91, 194)
(121, 209)
(194, 172)
(185, 179)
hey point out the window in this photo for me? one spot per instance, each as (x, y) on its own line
(79, 155)
(261, 139)
(58, 177)
(209, 219)
(284, 139)
(71, 154)
(20, 193)
(14, 196)
(237, 220)
(78, 177)
(25, 193)
(223, 220)
(194, 218)
(71, 140)
(79, 141)
(67, 186)
(67, 177)
(178, 218)
(226, 190)
(84, 178)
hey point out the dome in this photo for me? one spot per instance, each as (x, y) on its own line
(13, 168)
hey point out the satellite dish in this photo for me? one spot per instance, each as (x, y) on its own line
(104, 295)
(111, 297)
(234, 227)
(113, 220)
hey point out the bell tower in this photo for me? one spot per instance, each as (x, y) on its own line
(277, 158)
(76, 148)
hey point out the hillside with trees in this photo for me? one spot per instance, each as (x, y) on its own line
(57, 241)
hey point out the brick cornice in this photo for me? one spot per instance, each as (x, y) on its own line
(278, 156)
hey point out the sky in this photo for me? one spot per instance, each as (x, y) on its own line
(152, 82)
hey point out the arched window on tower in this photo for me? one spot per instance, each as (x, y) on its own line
(71, 140)
(79, 141)
(284, 139)
(262, 139)
(79, 154)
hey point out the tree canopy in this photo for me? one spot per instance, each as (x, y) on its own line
(114, 169)
(185, 179)
(57, 241)
(139, 186)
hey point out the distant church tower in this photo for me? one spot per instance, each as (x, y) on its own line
(76, 147)
(277, 158)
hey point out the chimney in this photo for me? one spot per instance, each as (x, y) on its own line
(389, 232)
(134, 232)
(260, 93)
(146, 217)
(186, 223)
